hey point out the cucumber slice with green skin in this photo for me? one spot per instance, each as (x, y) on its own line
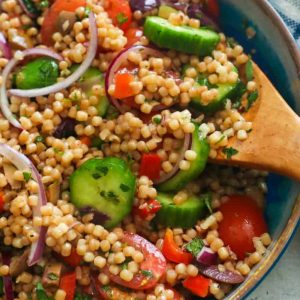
(86, 82)
(181, 38)
(184, 215)
(182, 178)
(225, 91)
(38, 73)
(105, 187)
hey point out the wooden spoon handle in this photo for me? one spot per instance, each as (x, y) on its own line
(274, 143)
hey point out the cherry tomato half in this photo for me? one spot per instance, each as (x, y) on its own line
(133, 35)
(242, 221)
(151, 269)
(52, 14)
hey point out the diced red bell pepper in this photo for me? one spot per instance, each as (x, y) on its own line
(133, 35)
(122, 85)
(198, 285)
(86, 140)
(74, 259)
(149, 208)
(173, 252)
(150, 166)
(68, 284)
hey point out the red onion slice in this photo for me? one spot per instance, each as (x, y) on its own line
(187, 143)
(23, 163)
(7, 280)
(91, 53)
(4, 103)
(119, 60)
(4, 47)
(207, 257)
(214, 273)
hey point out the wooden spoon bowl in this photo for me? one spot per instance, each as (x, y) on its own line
(274, 142)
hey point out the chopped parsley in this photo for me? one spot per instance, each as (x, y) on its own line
(26, 176)
(79, 296)
(249, 70)
(102, 170)
(87, 11)
(52, 276)
(147, 273)
(207, 201)
(44, 4)
(229, 152)
(156, 119)
(221, 139)
(111, 196)
(195, 246)
(39, 139)
(107, 289)
(57, 151)
(40, 292)
(121, 18)
(124, 265)
(124, 187)
(252, 97)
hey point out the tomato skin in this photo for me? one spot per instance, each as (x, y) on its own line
(154, 262)
(173, 252)
(133, 35)
(68, 284)
(213, 8)
(51, 16)
(150, 208)
(73, 260)
(242, 221)
(1, 202)
(120, 12)
(123, 89)
(198, 285)
(86, 140)
(150, 166)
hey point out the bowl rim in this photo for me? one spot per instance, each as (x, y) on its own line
(278, 22)
(286, 236)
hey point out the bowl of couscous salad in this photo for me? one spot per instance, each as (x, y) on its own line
(112, 112)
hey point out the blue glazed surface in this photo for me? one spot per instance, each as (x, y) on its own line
(273, 56)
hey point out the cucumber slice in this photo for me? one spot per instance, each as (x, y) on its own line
(182, 178)
(225, 91)
(38, 73)
(165, 11)
(91, 77)
(105, 186)
(181, 38)
(184, 215)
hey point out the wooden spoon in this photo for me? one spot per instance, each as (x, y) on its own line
(274, 142)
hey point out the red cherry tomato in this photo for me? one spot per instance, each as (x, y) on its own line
(151, 269)
(123, 89)
(133, 35)
(242, 221)
(52, 14)
(120, 12)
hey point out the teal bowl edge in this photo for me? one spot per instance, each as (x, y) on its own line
(275, 51)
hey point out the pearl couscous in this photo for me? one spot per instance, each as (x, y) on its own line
(110, 111)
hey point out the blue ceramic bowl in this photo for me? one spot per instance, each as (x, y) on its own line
(277, 54)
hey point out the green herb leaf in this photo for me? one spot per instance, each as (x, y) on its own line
(194, 246)
(57, 151)
(252, 97)
(44, 4)
(124, 187)
(52, 276)
(121, 18)
(40, 292)
(26, 176)
(156, 119)
(39, 139)
(97, 143)
(207, 201)
(147, 273)
(108, 290)
(79, 296)
(229, 152)
(221, 139)
(249, 70)
(87, 11)
(124, 265)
